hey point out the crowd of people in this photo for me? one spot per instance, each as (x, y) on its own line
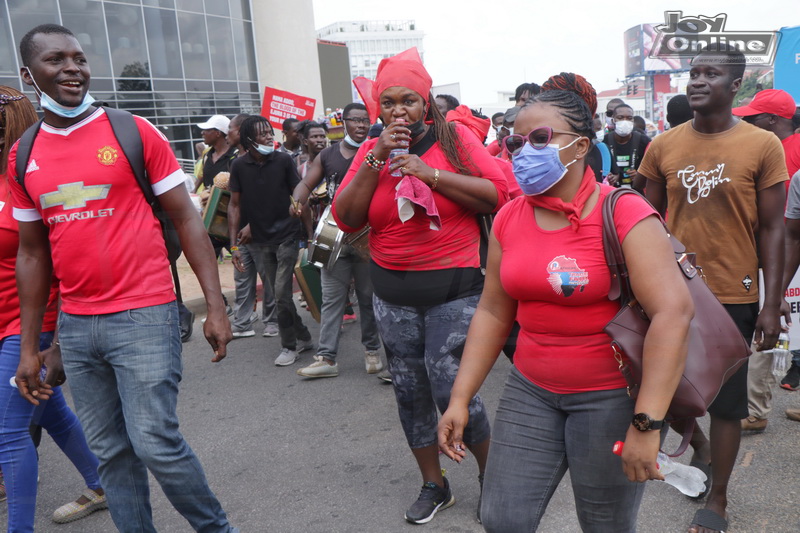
(473, 249)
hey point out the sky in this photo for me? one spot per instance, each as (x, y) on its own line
(489, 50)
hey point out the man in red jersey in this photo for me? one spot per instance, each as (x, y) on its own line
(83, 217)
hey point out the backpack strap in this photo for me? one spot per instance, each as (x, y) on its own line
(130, 140)
(24, 148)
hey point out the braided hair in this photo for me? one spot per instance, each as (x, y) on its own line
(16, 115)
(251, 127)
(450, 142)
(575, 98)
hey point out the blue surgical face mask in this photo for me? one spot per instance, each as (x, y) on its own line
(264, 149)
(537, 171)
(349, 140)
(54, 107)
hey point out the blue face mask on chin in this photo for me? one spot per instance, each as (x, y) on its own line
(264, 149)
(537, 171)
(349, 140)
(51, 105)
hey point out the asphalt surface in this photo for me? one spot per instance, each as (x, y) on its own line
(289, 455)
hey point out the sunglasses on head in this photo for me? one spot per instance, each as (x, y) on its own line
(539, 138)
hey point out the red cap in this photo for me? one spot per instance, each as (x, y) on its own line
(403, 70)
(463, 115)
(771, 101)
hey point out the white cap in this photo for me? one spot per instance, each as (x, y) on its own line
(216, 122)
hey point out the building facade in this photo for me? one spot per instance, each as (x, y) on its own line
(175, 62)
(369, 41)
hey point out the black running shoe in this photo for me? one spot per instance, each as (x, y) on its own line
(432, 498)
(792, 379)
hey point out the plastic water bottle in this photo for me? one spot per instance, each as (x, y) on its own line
(780, 356)
(689, 480)
(397, 151)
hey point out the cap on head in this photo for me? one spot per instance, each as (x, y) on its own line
(216, 122)
(771, 101)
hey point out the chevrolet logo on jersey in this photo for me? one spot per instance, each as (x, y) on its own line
(73, 195)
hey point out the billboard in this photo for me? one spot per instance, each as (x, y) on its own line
(787, 62)
(279, 105)
(639, 43)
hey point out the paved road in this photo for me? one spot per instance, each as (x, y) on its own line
(286, 455)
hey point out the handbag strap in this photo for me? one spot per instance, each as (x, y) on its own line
(620, 283)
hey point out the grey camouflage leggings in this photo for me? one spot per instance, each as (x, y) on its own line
(419, 343)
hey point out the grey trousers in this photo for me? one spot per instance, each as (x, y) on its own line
(335, 289)
(245, 283)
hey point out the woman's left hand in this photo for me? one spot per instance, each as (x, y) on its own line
(411, 164)
(639, 456)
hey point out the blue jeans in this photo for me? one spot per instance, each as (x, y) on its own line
(17, 453)
(536, 436)
(124, 369)
(335, 290)
(275, 262)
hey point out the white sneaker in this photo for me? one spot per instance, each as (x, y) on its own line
(372, 362)
(286, 357)
(319, 369)
(243, 334)
(270, 330)
(304, 346)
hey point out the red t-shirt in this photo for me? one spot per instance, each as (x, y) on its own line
(412, 245)
(9, 298)
(791, 147)
(561, 281)
(508, 171)
(494, 148)
(106, 244)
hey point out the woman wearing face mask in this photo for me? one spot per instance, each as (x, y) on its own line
(425, 269)
(17, 452)
(565, 402)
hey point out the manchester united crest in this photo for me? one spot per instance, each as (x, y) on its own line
(107, 155)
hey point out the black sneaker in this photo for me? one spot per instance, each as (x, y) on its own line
(792, 379)
(432, 498)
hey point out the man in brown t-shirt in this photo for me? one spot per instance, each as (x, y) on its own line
(720, 179)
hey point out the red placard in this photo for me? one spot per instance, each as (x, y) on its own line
(279, 105)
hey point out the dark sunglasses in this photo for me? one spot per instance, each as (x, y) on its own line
(539, 138)
(609, 113)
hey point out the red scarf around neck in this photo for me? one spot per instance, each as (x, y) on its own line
(572, 209)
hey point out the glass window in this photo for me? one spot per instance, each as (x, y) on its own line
(194, 45)
(11, 81)
(102, 84)
(126, 36)
(160, 3)
(218, 7)
(168, 85)
(223, 62)
(162, 39)
(85, 19)
(191, 5)
(240, 9)
(245, 50)
(8, 66)
(26, 15)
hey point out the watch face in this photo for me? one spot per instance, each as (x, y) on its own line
(642, 422)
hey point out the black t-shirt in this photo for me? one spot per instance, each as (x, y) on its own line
(265, 189)
(212, 168)
(334, 167)
(628, 155)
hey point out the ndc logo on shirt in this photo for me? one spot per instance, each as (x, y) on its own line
(687, 36)
(73, 195)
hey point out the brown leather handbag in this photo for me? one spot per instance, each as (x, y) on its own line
(716, 346)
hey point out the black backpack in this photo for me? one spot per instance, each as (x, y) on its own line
(127, 134)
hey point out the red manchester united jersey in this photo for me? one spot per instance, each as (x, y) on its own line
(106, 244)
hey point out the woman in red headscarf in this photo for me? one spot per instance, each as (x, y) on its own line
(565, 402)
(422, 208)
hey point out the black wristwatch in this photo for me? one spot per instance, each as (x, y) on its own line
(643, 422)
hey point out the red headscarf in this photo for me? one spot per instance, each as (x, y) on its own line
(463, 115)
(403, 70)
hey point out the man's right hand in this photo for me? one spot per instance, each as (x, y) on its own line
(28, 381)
(217, 331)
(236, 259)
